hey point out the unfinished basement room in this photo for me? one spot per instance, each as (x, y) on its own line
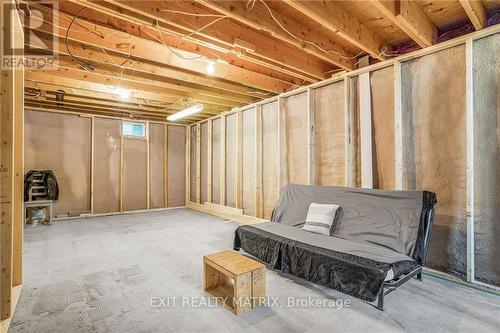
(259, 166)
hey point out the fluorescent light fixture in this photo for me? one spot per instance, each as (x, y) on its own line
(186, 112)
(124, 93)
(210, 67)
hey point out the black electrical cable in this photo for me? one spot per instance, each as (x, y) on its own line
(87, 66)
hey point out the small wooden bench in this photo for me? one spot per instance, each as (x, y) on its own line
(240, 282)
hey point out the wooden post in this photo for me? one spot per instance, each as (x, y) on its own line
(121, 165)
(280, 145)
(18, 228)
(209, 161)
(188, 165)
(198, 163)
(148, 171)
(469, 116)
(92, 163)
(165, 165)
(7, 125)
(259, 209)
(365, 114)
(398, 118)
(239, 159)
(283, 144)
(311, 138)
(223, 160)
(349, 131)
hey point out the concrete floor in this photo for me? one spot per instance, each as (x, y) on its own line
(103, 274)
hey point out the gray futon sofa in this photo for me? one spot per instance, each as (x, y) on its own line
(378, 241)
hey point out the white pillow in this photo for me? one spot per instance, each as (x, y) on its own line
(320, 218)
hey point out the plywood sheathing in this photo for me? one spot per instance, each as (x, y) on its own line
(383, 148)
(106, 191)
(487, 158)
(156, 165)
(249, 162)
(61, 143)
(216, 176)
(270, 158)
(134, 173)
(296, 120)
(230, 158)
(433, 101)
(330, 134)
(176, 175)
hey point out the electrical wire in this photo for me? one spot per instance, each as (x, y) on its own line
(87, 66)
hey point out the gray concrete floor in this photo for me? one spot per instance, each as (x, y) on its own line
(107, 274)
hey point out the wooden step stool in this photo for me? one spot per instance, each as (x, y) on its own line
(236, 279)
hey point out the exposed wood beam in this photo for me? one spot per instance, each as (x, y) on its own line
(265, 53)
(476, 12)
(410, 18)
(129, 43)
(81, 49)
(126, 82)
(100, 107)
(259, 18)
(331, 16)
(225, 34)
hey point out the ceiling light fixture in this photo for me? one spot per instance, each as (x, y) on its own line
(124, 93)
(210, 67)
(186, 112)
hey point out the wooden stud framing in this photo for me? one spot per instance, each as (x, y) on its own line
(398, 126)
(92, 163)
(311, 138)
(148, 169)
(469, 116)
(349, 99)
(279, 156)
(209, 161)
(188, 165)
(121, 165)
(283, 144)
(365, 122)
(476, 12)
(198, 163)
(223, 160)
(7, 125)
(239, 159)
(259, 201)
(165, 164)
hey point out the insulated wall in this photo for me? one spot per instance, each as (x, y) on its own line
(157, 165)
(296, 132)
(330, 134)
(176, 166)
(486, 85)
(423, 121)
(270, 158)
(249, 160)
(433, 104)
(383, 122)
(230, 158)
(216, 158)
(203, 161)
(61, 143)
(107, 135)
(98, 170)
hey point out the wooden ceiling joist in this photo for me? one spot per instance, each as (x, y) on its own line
(259, 18)
(267, 53)
(129, 44)
(226, 35)
(476, 12)
(331, 16)
(409, 17)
